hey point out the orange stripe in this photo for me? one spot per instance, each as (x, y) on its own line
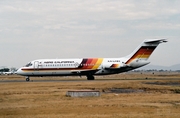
(93, 63)
(115, 66)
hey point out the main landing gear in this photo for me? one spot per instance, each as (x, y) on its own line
(27, 79)
(90, 77)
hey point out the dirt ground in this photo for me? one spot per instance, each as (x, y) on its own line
(157, 95)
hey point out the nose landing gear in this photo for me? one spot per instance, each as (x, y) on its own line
(27, 79)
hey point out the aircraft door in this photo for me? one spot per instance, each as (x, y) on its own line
(76, 64)
(36, 65)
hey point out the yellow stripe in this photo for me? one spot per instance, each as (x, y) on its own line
(98, 63)
(143, 56)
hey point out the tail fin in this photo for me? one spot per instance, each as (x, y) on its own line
(144, 50)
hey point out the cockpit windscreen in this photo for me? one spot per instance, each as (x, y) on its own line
(28, 65)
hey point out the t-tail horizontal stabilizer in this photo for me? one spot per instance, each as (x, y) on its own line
(156, 41)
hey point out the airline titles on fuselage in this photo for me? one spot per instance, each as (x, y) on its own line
(60, 63)
(55, 62)
(70, 62)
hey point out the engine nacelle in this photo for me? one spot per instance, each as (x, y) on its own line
(138, 63)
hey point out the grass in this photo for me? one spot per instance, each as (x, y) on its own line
(48, 99)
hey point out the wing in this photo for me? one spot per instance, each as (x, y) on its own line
(84, 72)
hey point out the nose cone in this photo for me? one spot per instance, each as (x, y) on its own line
(19, 71)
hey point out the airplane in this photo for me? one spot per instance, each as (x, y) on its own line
(91, 66)
(7, 73)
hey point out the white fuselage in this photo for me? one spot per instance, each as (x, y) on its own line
(62, 67)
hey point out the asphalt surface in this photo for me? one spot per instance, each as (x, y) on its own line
(76, 80)
(18, 81)
(64, 80)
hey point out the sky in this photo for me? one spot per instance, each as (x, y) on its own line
(38, 29)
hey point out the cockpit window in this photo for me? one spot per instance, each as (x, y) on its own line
(29, 64)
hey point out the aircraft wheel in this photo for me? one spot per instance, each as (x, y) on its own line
(27, 79)
(90, 77)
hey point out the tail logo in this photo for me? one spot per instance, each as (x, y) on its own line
(143, 53)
